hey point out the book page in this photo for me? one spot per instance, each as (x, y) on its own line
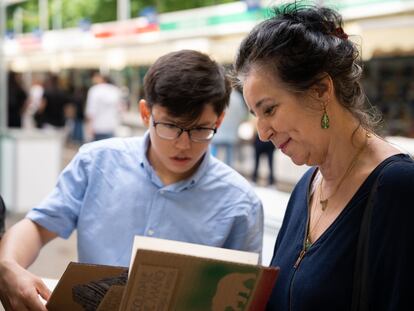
(162, 245)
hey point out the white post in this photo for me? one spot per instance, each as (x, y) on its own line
(43, 15)
(123, 10)
(18, 20)
(57, 14)
(3, 86)
(3, 70)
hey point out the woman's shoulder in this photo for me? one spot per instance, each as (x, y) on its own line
(397, 171)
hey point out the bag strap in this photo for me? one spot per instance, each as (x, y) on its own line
(360, 287)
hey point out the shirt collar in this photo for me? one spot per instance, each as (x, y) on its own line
(143, 160)
(180, 185)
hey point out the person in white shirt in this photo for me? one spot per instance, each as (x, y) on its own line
(103, 108)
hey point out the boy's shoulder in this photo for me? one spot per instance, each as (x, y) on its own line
(117, 144)
(224, 176)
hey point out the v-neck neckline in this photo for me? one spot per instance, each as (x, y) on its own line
(361, 190)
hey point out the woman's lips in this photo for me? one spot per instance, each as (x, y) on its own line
(282, 146)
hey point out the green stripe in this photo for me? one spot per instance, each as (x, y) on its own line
(261, 14)
(340, 5)
(215, 20)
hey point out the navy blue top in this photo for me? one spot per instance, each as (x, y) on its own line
(323, 279)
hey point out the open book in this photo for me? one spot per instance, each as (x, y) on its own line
(191, 249)
(168, 275)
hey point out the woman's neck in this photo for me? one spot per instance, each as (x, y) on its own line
(345, 143)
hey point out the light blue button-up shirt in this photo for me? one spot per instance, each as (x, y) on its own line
(110, 193)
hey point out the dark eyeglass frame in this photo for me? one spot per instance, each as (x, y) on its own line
(182, 130)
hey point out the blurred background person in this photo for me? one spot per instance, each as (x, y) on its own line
(263, 148)
(34, 101)
(16, 100)
(227, 137)
(51, 113)
(78, 98)
(103, 108)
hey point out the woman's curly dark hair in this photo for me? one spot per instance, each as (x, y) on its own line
(301, 44)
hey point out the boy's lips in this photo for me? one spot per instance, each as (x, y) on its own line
(180, 159)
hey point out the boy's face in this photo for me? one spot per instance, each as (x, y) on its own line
(179, 158)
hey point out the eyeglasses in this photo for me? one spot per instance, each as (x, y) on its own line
(171, 131)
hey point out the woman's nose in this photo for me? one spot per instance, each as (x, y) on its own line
(264, 131)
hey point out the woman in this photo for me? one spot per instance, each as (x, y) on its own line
(301, 79)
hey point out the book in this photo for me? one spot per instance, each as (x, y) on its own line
(191, 249)
(168, 275)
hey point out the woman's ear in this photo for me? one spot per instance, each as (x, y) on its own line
(145, 112)
(323, 89)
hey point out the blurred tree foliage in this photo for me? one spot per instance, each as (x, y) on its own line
(95, 11)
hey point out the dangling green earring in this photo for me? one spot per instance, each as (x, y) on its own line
(325, 119)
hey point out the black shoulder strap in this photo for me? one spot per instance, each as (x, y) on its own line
(361, 286)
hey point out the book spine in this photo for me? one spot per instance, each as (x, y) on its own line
(263, 289)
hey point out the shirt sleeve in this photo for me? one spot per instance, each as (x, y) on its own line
(391, 244)
(247, 230)
(59, 211)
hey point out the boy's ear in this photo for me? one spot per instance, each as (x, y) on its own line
(220, 119)
(144, 111)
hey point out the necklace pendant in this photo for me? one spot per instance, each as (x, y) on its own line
(308, 244)
(324, 204)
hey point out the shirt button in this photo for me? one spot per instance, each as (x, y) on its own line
(150, 232)
(162, 191)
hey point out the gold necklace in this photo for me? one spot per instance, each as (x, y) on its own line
(324, 202)
(308, 241)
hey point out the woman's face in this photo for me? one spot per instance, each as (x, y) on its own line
(291, 121)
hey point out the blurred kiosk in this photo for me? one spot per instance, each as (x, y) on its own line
(30, 164)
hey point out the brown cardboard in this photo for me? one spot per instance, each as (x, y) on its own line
(166, 281)
(76, 273)
(112, 299)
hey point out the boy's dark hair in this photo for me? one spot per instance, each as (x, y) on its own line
(184, 82)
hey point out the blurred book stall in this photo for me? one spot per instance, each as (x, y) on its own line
(385, 32)
(389, 85)
(124, 49)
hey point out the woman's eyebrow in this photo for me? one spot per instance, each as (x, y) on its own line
(260, 103)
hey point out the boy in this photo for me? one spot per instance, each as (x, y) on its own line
(164, 185)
